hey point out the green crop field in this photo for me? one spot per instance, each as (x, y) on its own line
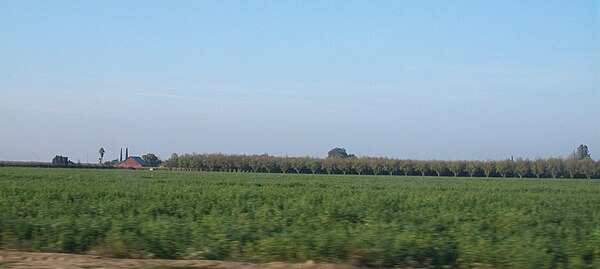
(367, 220)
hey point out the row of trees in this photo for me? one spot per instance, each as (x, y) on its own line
(571, 167)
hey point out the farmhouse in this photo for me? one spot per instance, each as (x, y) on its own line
(132, 162)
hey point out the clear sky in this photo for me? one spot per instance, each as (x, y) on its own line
(404, 79)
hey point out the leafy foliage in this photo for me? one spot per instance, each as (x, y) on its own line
(373, 221)
(339, 153)
(524, 168)
(151, 159)
(61, 160)
(582, 152)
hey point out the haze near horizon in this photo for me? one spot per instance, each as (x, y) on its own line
(412, 80)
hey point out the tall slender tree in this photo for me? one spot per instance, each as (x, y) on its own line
(101, 151)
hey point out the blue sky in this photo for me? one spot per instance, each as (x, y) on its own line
(404, 79)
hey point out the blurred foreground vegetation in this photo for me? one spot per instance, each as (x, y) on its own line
(366, 220)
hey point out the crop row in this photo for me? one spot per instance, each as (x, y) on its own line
(370, 221)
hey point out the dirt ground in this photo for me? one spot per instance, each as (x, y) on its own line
(17, 259)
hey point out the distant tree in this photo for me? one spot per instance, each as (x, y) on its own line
(314, 165)
(360, 166)
(101, 151)
(407, 167)
(423, 167)
(555, 167)
(285, 164)
(391, 166)
(587, 167)
(581, 152)
(329, 165)
(572, 166)
(473, 168)
(151, 159)
(268, 163)
(210, 162)
(439, 167)
(298, 164)
(488, 168)
(241, 164)
(254, 164)
(539, 168)
(522, 167)
(339, 153)
(457, 167)
(344, 165)
(189, 161)
(61, 160)
(505, 167)
(377, 165)
(173, 161)
(196, 161)
(227, 163)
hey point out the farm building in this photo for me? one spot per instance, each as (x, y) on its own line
(132, 162)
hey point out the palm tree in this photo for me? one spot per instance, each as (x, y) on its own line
(101, 151)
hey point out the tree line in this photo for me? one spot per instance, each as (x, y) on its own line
(571, 167)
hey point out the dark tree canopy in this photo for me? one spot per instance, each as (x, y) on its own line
(61, 160)
(151, 159)
(339, 153)
(581, 152)
(173, 161)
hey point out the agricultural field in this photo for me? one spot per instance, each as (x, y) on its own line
(371, 221)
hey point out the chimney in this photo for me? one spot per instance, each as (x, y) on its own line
(121, 156)
(126, 153)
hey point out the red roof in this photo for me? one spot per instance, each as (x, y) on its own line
(132, 162)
